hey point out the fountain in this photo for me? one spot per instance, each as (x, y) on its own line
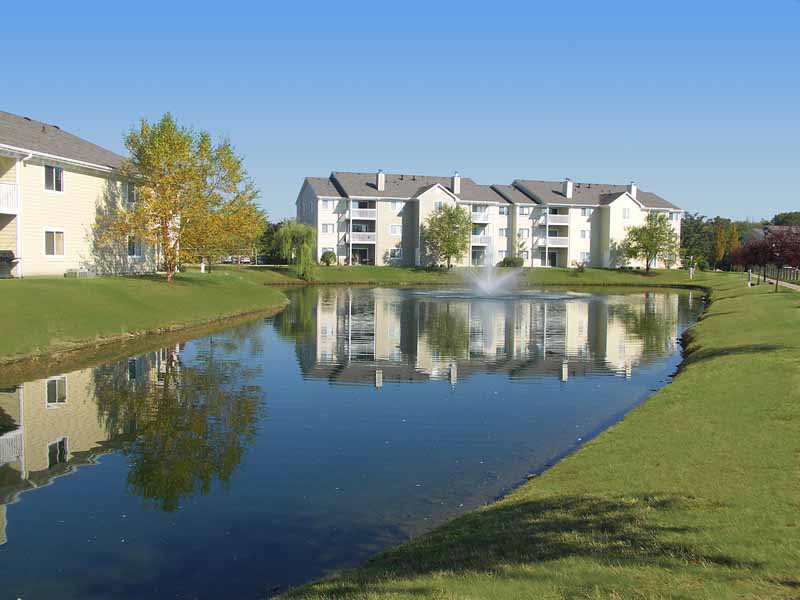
(489, 280)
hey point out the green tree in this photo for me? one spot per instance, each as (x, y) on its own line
(193, 197)
(721, 240)
(654, 240)
(447, 234)
(695, 240)
(295, 242)
(787, 218)
(446, 330)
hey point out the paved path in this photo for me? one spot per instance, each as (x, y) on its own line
(791, 286)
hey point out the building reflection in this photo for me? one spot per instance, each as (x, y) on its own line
(345, 335)
(182, 426)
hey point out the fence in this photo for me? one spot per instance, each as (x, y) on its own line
(789, 274)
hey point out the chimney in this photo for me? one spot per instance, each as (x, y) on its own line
(380, 180)
(567, 188)
(456, 184)
(632, 189)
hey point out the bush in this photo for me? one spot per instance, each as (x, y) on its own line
(328, 258)
(512, 261)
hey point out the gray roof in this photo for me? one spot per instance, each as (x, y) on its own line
(513, 195)
(23, 132)
(409, 186)
(323, 187)
(586, 194)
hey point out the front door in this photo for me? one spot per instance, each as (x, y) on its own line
(552, 259)
(360, 256)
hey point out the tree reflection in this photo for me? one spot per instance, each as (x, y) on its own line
(446, 329)
(649, 322)
(187, 425)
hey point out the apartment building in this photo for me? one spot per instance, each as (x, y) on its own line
(53, 187)
(378, 218)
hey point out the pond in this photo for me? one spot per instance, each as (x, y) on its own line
(260, 457)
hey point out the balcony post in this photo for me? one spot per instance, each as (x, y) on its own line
(18, 220)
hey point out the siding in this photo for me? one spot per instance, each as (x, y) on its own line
(7, 170)
(86, 195)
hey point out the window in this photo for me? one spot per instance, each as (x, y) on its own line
(502, 231)
(395, 253)
(134, 246)
(438, 205)
(130, 193)
(523, 233)
(584, 257)
(553, 211)
(479, 208)
(133, 371)
(524, 210)
(524, 255)
(53, 178)
(56, 391)
(396, 229)
(626, 213)
(587, 212)
(328, 204)
(398, 205)
(501, 254)
(674, 216)
(57, 453)
(324, 250)
(54, 243)
(584, 234)
(503, 210)
(328, 228)
(543, 257)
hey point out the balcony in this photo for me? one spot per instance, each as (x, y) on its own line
(480, 216)
(359, 237)
(481, 240)
(557, 241)
(9, 199)
(364, 213)
(558, 219)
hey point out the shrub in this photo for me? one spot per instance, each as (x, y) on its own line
(512, 261)
(328, 258)
(580, 265)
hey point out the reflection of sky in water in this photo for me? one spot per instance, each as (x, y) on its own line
(264, 455)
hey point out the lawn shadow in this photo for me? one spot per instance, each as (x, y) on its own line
(619, 531)
(700, 354)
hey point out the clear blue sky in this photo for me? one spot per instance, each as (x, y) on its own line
(697, 101)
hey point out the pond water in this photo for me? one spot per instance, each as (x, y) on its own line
(260, 457)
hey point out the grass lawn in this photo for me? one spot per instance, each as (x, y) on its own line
(695, 494)
(51, 314)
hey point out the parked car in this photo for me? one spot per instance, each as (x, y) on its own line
(244, 260)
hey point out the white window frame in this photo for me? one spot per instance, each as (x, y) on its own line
(438, 204)
(626, 213)
(398, 205)
(44, 239)
(394, 233)
(584, 234)
(63, 179)
(523, 233)
(65, 439)
(524, 210)
(399, 252)
(501, 254)
(130, 187)
(524, 255)
(329, 228)
(502, 231)
(503, 210)
(328, 203)
(585, 257)
(56, 378)
(587, 212)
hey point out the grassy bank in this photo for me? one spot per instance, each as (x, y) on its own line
(695, 494)
(46, 315)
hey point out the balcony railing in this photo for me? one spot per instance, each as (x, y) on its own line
(9, 200)
(359, 237)
(481, 240)
(364, 213)
(558, 219)
(11, 446)
(480, 217)
(557, 241)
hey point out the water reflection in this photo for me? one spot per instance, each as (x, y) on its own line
(181, 424)
(346, 335)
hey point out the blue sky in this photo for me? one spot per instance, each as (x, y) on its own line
(697, 101)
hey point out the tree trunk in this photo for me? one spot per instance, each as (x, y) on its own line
(777, 277)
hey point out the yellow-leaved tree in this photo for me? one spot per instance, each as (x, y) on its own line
(193, 197)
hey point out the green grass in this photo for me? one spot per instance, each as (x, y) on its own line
(45, 315)
(695, 494)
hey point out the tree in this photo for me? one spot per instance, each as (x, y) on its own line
(784, 249)
(654, 240)
(447, 233)
(787, 218)
(328, 258)
(193, 197)
(695, 240)
(721, 241)
(295, 242)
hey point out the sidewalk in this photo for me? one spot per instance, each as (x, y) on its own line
(791, 286)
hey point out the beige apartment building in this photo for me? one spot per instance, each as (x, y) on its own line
(378, 218)
(53, 187)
